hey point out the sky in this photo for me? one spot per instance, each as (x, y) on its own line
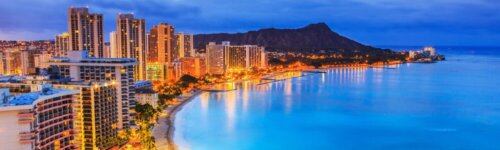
(372, 22)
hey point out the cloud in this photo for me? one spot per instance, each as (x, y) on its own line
(363, 20)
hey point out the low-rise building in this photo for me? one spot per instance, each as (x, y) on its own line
(146, 96)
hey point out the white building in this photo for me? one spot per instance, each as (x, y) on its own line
(30, 119)
(146, 95)
(430, 50)
(120, 71)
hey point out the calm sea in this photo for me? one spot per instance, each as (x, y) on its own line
(454, 104)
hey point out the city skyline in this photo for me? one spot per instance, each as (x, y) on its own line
(381, 22)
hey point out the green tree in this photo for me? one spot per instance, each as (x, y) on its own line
(185, 80)
(145, 112)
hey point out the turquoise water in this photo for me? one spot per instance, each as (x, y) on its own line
(448, 105)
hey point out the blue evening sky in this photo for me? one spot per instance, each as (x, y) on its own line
(373, 22)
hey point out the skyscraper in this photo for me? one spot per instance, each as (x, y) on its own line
(131, 41)
(79, 67)
(85, 31)
(99, 113)
(215, 58)
(162, 44)
(234, 58)
(62, 44)
(112, 45)
(244, 57)
(185, 45)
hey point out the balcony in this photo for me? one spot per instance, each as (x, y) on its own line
(25, 114)
(26, 140)
(25, 120)
(26, 135)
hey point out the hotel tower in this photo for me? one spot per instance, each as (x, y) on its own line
(119, 71)
(85, 31)
(185, 45)
(62, 44)
(161, 52)
(131, 41)
(39, 117)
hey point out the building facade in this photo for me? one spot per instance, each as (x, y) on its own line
(162, 44)
(131, 41)
(194, 66)
(244, 57)
(99, 113)
(39, 118)
(185, 45)
(112, 45)
(10, 62)
(27, 62)
(85, 31)
(147, 96)
(120, 71)
(226, 58)
(41, 59)
(215, 58)
(61, 46)
(174, 71)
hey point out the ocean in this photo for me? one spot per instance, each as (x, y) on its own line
(452, 104)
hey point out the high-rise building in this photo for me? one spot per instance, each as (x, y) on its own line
(162, 44)
(112, 45)
(244, 57)
(79, 67)
(10, 61)
(62, 44)
(234, 58)
(39, 118)
(194, 66)
(107, 50)
(215, 58)
(162, 52)
(99, 113)
(131, 41)
(27, 61)
(85, 31)
(185, 45)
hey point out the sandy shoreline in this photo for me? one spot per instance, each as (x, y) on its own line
(164, 131)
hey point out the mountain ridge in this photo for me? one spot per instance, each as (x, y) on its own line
(311, 38)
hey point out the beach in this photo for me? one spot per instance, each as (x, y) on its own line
(164, 130)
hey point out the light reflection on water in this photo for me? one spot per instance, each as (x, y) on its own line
(448, 105)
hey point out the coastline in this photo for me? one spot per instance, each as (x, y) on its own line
(168, 122)
(170, 113)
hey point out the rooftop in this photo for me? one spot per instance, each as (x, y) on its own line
(30, 98)
(82, 57)
(145, 91)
